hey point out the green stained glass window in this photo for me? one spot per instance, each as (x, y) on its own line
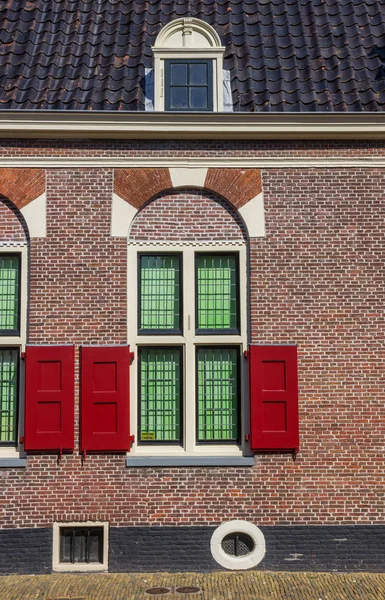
(217, 394)
(9, 294)
(8, 394)
(159, 291)
(217, 293)
(160, 394)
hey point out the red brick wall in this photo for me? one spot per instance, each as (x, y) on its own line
(316, 280)
(12, 224)
(187, 216)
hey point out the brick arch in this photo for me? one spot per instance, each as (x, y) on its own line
(21, 186)
(137, 185)
(188, 215)
(13, 225)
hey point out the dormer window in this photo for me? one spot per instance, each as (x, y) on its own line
(188, 67)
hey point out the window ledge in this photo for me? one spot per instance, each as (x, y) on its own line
(13, 462)
(190, 461)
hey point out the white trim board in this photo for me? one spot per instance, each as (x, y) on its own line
(168, 125)
(203, 162)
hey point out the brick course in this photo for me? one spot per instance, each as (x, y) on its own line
(316, 281)
(188, 216)
(13, 227)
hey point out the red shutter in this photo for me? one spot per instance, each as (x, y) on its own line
(49, 398)
(273, 398)
(105, 406)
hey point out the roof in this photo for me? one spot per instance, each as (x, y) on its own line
(283, 56)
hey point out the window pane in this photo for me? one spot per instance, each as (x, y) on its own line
(159, 293)
(198, 74)
(217, 292)
(9, 293)
(179, 97)
(95, 545)
(160, 394)
(198, 97)
(8, 395)
(217, 392)
(179, 74)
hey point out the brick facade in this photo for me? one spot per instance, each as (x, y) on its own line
(316, 281)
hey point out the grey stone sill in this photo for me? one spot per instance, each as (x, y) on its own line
(13, 462)
(190, 461)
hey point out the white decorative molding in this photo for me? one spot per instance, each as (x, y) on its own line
(187, 32)
(166, 243)
(253, 215)
(35, 215)
(122, 216)
(195, 162)
(182, 176)
(168, 125)
(7, 244)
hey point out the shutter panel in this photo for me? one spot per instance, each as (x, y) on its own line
(273, 398)
(49, 398)
(105, 406)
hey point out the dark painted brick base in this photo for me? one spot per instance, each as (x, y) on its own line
(313, 548)
(149, 549)
(324, 548)
(27, 551)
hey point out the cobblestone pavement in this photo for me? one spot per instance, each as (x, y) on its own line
(250, 585)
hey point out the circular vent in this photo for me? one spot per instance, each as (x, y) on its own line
(238, 544)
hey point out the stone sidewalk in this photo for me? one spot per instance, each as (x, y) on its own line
(250, 585)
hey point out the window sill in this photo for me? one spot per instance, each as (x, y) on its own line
(12, 462)
(190, 461)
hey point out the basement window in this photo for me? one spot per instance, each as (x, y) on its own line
(80, 547)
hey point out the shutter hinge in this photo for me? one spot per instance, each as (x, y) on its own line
(132, 439)
(246, 354)
(247, 437)
(21, 439)
(23, 356)
(131, 356)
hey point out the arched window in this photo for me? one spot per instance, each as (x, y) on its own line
(188, 326)
(13, 310)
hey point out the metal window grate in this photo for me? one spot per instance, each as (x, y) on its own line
(9, 361)
(159, 293)
(160, 394)
(9, 293)
(217, 394)
(217, 291)
(238, 544)
(81, 545)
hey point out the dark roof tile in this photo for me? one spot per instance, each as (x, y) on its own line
(292, 55)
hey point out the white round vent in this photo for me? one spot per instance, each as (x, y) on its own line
(238, 545)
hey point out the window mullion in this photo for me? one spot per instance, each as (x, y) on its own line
(189, 329)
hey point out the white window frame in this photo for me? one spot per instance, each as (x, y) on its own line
(189, 341)
(18, 341)
(184, 39)
(60, 567)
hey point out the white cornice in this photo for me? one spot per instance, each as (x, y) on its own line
(199, 162)
(113, 124)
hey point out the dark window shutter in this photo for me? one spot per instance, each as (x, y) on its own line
(273, 398)
(49, 398)
(105, 406)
